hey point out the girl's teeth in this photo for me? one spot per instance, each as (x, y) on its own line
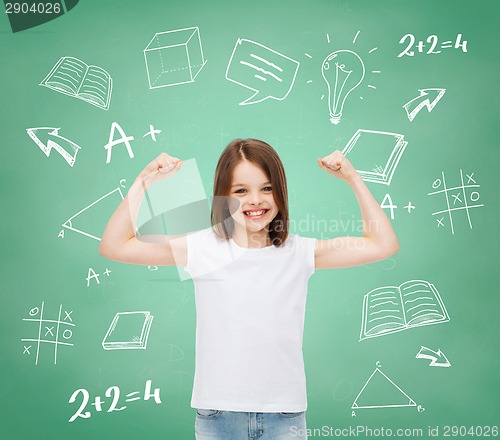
(255, 213)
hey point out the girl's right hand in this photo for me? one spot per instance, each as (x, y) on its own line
(160, 168)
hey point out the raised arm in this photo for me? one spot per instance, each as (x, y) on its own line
(119, 241)
(379, 240)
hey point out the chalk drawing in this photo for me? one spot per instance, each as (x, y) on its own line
(48, 138)
(94, 209)
(343, 71)
(461, 198)
(268, 73)
(432, 43)
(92, 275)
(75, 78)
(375, 154)
(427, 98)
(174, 57)
(112, 393)
(49, 332)
(437, 358)
(128, 330)
(152, 132)
(123, 139)
(391, 309)
(381, 392)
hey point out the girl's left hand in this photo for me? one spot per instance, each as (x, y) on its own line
(337, 165)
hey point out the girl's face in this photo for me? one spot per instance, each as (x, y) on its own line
(251, 187)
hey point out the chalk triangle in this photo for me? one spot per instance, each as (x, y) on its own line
(381, 392)
(91, 220)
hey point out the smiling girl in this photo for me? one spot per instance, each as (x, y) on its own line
(250, 277)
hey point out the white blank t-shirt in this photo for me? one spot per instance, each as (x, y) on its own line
(250, 306)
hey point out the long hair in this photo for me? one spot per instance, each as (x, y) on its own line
(265, 157)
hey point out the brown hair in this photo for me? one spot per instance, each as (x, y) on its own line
(265, 157)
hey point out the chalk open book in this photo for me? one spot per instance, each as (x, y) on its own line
(375, 154)
(391, 309)
(75, 78)
(128, 330)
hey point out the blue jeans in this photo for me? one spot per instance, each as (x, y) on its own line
(213, 424)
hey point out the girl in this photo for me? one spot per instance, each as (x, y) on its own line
(250, 278)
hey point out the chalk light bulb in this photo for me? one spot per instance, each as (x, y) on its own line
(343, 71)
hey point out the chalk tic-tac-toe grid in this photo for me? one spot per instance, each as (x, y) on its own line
(47, 334)
(459, 199)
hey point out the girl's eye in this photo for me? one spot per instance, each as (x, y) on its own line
(266, 189)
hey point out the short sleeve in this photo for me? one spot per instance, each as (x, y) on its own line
(206, 254)
(193, 241)
(307, 246)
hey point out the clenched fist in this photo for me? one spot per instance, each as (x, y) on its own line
(160, 168)
(337, 165)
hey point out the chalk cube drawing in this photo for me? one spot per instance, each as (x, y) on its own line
(174, 57)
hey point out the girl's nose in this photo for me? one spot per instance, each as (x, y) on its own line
(255, 198)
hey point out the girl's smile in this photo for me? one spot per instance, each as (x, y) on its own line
(255, 213)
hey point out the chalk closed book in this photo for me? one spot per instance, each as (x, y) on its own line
(129, 330)
(375, 154)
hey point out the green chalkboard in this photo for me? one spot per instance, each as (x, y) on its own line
(83, 335)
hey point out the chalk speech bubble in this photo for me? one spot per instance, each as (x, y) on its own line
(269, 73)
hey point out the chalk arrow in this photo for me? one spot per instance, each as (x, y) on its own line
(47, 138)
(438, 359)
(427, 98)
